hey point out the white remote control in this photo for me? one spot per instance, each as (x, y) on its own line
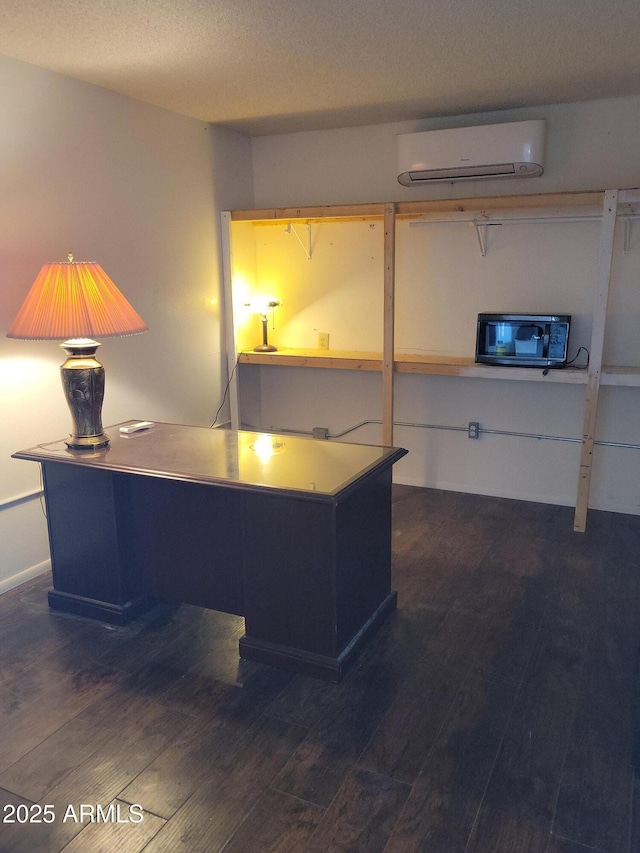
(136, 427)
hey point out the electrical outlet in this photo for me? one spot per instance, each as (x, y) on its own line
(473, 429)
(323, 340)
(321, 432)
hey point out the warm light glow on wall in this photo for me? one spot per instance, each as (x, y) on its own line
(21, 374)
(241, 295)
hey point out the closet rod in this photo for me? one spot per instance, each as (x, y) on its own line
(504, 220)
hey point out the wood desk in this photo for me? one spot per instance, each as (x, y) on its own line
(292, 533)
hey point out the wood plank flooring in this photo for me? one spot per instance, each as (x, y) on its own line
(494, 712)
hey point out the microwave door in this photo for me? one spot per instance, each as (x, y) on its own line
(545, 341)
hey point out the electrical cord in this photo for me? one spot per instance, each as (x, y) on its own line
(545, 372)
(226, 390)
(582, 366)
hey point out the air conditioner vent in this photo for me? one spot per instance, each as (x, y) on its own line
(514, 149)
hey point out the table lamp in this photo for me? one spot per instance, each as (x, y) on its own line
(262, 305)
(75, 301)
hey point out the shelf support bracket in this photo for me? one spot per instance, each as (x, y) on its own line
(481, 234)
(307, 248)
(481, 227)
(627, 236)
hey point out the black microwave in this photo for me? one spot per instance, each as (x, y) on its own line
(523, 340)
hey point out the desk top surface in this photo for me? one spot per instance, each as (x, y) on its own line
(250, 460)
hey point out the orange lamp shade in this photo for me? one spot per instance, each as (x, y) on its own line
(75, 300)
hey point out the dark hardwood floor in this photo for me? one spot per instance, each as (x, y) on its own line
(493, 713)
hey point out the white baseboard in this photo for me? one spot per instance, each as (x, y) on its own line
(24, 576)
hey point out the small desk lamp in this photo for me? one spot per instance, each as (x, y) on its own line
(74, 301)
(262, 305)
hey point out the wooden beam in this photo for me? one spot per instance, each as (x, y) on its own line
(630, 196)
(534, 201)
(451, 366)
(332, 359)
(334, 211)
(229, 325)
(605, 257)
(389, 323)
(521, 202)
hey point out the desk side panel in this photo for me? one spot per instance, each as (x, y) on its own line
(363, 554)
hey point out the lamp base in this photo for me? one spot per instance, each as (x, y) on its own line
(87, 442)
(265, 348)
(83, 383)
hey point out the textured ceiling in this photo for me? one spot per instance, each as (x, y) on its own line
(275, 66)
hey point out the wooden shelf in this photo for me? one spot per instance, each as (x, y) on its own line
(624, 377)
(435, 365)
(407, 209)
(336, 359)
(543, 201)
(466, 367)
(599, 205)
(310, 214)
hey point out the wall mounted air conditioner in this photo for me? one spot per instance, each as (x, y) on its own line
(511, 150)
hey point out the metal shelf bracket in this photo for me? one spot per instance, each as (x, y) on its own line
(627, 235)
(307, 248)
(481, 226)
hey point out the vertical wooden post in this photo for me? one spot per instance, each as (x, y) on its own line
(230, 337)
(389, 322)
(605, 258)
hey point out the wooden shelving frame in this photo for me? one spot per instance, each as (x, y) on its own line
(606, 205)
(628, 377)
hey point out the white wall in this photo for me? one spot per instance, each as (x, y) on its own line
(137, 189)
(443, 281)
(590, 145)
